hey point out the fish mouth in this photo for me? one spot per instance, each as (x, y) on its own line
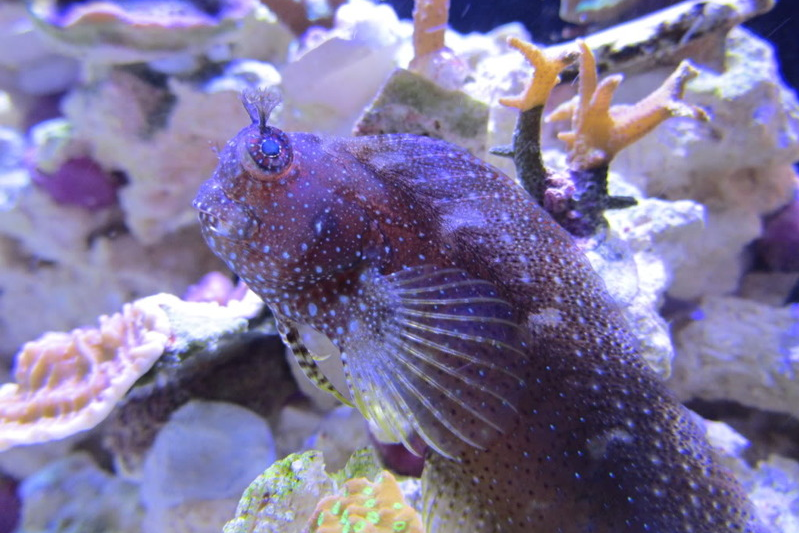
(222, 217)
(212, 224)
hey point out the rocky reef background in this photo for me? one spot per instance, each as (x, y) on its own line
(157, 415)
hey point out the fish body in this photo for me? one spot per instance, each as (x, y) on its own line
(465, 316)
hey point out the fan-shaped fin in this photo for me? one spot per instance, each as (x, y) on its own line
(438, 352)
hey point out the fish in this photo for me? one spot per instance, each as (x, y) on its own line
(468, 326)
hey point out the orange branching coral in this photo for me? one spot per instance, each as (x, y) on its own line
(431, 58)
(430, 19)
(69, 382)
(601, 131)
(368, 507)
(546, 75)
(578, 195)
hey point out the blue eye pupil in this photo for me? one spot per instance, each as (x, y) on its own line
(270, 147)
(268, 151)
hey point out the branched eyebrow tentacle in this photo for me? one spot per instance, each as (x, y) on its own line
(259, 103)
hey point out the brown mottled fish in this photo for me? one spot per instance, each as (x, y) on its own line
(463, 314)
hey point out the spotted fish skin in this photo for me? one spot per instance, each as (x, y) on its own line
(387, 246)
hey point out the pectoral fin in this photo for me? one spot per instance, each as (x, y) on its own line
(307, 358)
(437, 352)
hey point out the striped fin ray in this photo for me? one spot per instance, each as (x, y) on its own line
(436, 352)
(306, 360)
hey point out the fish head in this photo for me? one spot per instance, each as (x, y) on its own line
(341, 238)
(278, 208)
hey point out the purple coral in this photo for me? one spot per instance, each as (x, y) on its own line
(81, 182)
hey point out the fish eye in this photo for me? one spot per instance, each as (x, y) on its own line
(270, 150)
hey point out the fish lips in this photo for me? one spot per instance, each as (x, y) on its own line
(221, 216)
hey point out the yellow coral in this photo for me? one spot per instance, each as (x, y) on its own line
(546, 75)
(600, 131)
(366, 507)
(69, 382)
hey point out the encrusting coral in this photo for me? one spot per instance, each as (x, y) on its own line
(297, 495)
(68, 382)
(283, 496)
(366, 506)
(578, 196)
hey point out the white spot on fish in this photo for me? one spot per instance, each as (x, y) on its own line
(549, 317)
